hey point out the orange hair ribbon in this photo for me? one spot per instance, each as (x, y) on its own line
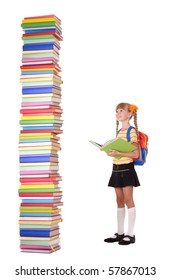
(133, 108)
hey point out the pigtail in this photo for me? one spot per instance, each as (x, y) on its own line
(117, 126)
(135, 123)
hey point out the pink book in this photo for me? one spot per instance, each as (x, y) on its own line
(40, 114)
(37, 59)
(40, 183)
(28, 104)
(36, 172)
(37, 247)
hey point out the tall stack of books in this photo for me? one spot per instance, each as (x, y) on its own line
(39, 138)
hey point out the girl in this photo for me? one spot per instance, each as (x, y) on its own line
(124, 176)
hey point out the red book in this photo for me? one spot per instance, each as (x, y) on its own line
(45, 16)
(60, 38)
(50, 65)
(42, 130)
(42, 204)
(42, 65)
(47, 179)
(41, 194)
(44, 114)
(37, 111)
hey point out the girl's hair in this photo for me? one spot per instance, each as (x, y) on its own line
(131, 108)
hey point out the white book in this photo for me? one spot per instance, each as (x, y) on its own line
(38, 144)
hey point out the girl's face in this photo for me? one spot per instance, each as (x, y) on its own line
(122, 114)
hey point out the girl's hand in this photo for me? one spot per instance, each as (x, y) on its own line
(113, 153)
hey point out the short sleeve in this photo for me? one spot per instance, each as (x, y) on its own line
(133, 136)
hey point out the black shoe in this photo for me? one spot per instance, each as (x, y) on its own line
(114, 239)
(127, 242)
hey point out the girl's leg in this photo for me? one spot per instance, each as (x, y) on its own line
(120, 210)
(128, 199)
(128, 196)
(120, 217)
(120, 197)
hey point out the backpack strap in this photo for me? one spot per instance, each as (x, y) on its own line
(128, 134)
(118, 131)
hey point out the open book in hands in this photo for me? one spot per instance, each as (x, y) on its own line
(117, 144)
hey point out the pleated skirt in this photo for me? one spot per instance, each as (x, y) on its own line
(123, 175)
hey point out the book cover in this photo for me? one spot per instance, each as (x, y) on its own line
(117, 144)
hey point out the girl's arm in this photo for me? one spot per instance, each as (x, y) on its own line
(134, 154)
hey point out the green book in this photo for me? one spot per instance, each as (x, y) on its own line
(36, 208)
(38, 24)
(34, 226)
(39, 242)
(38, 190)
(117, 144)
(37, 37)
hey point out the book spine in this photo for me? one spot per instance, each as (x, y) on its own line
(36, 233)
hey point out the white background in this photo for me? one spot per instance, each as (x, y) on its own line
(113, 51)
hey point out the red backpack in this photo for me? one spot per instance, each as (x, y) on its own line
(143, 145)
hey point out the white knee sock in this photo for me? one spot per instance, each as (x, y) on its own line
(120, 219)
(131, 220)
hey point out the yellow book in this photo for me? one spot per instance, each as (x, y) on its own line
(52, 117)
(39, 134)
(37, 137)
(44, 68)
(38, 20)
(36, 211)
(38, 186)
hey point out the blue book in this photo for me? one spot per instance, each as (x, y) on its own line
(36, 72)
(37, 200)
(29, 214)
(24, 159)
(37, 90)
(38, 233)
(44, 46)
(24, 95)
(37, 127)
(40, 30)
(41, 86)
(35, 140)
